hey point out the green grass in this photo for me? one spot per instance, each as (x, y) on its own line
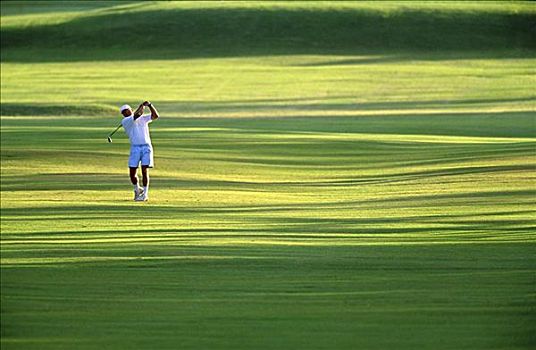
(167, 30)
(336, 196)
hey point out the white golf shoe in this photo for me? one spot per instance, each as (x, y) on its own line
(142, 197)
(138, 193)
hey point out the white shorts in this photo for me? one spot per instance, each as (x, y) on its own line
(140, 153)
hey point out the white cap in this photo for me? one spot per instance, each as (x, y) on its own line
(124, 107)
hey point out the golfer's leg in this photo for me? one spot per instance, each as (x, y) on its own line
(133, 161)
(146, 163)
(145, 175)
(145, 180)
(133, 176)
(134, 179)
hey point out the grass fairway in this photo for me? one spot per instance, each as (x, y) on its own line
(335, 187)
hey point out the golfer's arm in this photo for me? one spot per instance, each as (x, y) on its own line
(154, 112)
(138, 112)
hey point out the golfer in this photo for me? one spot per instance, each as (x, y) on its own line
(136, 125)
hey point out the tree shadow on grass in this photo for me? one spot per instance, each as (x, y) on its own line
(242, 32)
(84, 181)
(488, 124)
(283, 229)
(12, 8)
(290, 222)
(158, 211)
(327, 105)
(399, 117)
(45, 109)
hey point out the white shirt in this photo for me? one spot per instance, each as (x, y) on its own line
(138, 130)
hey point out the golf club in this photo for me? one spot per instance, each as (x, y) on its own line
(113, 132)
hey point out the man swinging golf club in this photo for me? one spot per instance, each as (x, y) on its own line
(136, 125)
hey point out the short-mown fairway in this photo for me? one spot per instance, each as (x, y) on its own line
(300, 200)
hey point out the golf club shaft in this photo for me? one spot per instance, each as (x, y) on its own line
(113, 132)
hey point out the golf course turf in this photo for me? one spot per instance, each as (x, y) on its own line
(328, 175)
